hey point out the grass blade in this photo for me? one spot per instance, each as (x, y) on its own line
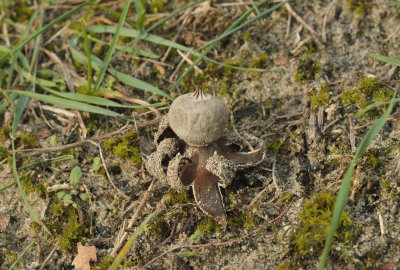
(377, 104)
(131, 240)
(125, 78)
(111, 49)
(160, 22)
(21, 255)
(231, 29)
(60, 158)
(346, 183)
(386, 59)
(132, 81)
(19, 109)
(140, 15)
(128, 49)
(160, 41)
(8, 186)
(97, 100)
(226, 33)
(88, 58)
(26, 40)
(66, 103)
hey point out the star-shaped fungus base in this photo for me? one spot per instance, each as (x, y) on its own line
(204, 168)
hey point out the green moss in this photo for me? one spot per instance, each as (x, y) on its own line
(368, 91)
(228, 71)
(371, 161)
(28, 140)
(4, 132)
(286, 197)
(331, 162)
(368, 85)
(246, 36)
(244, 220)
(176, 197)
(22, 11)
(285, 266)
(62, 221)
(104, 264)
(125, 147)
(155, 6)
(223, 91)
(206, 226)
(3, 153)
(58, 216)
(71, 235)
(339, 147)
(84, 89)
(350, 97)
(307, 70)
(259, 61)
(159, 229)
(32, 184)
(315, 219)
(360, 7)
(320, 98)
(382, 94)
(274, 146)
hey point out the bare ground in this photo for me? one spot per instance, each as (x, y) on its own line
(304, 108)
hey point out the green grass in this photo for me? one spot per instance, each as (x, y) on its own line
(343, 194)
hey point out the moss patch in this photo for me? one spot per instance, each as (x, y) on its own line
(3, 153)
(320, 98)
(28, 140)
(314, 226)
(367, 92)
(307, 70)
(173, 197)
(360, 7)
(62, 220)
(206, 226)
(126, 147)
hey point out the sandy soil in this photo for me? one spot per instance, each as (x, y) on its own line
(304, 107)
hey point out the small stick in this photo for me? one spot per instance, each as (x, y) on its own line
(352, 136)
(49, 256)
(218, 244)
(106, 170)
(134, 218)
(381, 225)
(39, 151)
(190, 62)
(313, 33)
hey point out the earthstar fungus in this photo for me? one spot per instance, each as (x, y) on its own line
(194, 148)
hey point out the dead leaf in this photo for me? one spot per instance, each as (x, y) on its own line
(84, 256)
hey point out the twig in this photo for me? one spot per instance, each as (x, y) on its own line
(313, 33)
(221, 244)
(133, 219)
(49, 256)
(352, 136)
(81, 124)
(381, 224)
(106, 170)
(327, 15)
(261, 193)
(58, 111)
(39, 151)
(190, 62)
